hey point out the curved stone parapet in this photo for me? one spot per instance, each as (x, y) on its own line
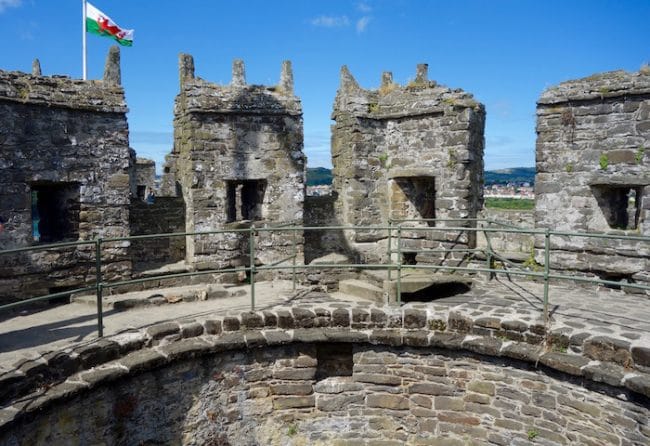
(305, 369)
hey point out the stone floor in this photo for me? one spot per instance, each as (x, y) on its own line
(575, 312)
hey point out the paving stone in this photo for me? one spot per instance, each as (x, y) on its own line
(414, 319)
(159, 331)
(603, 348)
(639, 384)
(608, 373)
(102, 375)
(251, 320)
(142, 360)
(191, 330)
(303, 318)
(184, 348)
(571, 364)
(484, 346)
(341, 317)
(212, 326)
(521, 351)
(277, 337)
(641, 355)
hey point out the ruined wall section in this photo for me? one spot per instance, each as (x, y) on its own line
(593, 171)
(238, 159)
(63, 142)
(406, 152)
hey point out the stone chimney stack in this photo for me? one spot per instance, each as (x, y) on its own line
(112, 73)
(185, 67)
(36, 67)
(286, 78)
(238, 73)
(422, 73)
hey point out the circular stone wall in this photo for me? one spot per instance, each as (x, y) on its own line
(336, 394)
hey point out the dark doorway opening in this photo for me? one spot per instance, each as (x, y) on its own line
(55, 212)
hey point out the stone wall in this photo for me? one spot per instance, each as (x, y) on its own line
(405, 152)
(328, 394)
(165, 215)
(319, 211)
(509, 244)
(238, 159)
(593, 172)
(65, 159)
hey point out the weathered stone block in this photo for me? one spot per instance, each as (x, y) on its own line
(293, 402)
(387, 401)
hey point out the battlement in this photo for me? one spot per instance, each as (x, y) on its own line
(598, 87)
(391, 100)
(106, 95)
(198, 95)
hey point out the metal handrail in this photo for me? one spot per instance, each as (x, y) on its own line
(394, 231)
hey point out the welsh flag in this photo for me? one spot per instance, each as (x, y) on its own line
(99, 23)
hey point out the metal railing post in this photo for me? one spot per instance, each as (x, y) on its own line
(251, 245)
(547, 258)
(98, 282)
(295, 253)
(399, 265)
(390, 241)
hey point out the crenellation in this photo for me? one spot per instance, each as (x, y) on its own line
(238, 73)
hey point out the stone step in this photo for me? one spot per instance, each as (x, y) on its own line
(362, 289)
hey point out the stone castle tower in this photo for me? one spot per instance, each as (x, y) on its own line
(406, 152)
(237, 158)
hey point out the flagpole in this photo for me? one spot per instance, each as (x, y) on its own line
(83, 39)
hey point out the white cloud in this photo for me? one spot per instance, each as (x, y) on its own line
(362, 24)
(327, 21)
(364, 7)
(5, 4)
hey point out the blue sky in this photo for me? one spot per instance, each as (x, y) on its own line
(505, 52)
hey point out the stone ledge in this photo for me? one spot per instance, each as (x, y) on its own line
(602, 359)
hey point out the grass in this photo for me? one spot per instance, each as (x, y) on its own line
(522, 204)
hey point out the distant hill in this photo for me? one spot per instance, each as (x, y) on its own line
(320, 175)
(317, 176)
(515, 175)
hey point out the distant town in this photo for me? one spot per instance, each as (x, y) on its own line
(517, 182)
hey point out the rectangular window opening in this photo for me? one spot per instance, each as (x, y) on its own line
(334, 360)
(244, 199)
(620, 205)
(413, 198)
(55, 212)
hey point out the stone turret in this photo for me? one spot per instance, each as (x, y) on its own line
(405, 152)
(237, 158)
(593, 172)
